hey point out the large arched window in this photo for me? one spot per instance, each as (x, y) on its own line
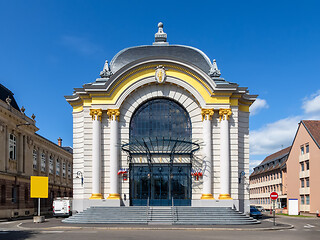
(160, 118)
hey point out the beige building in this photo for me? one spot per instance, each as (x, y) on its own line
(270, 176)
(24, 153)
(303, 167)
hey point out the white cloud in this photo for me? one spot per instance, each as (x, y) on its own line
(274, 136)
(257, 106)
(311, 105)
(80, 45)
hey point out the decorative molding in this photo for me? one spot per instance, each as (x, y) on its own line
(207, 114)
(96, 112)
(113, 114)
(223, 113)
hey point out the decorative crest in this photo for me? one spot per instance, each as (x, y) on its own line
(8, 100)
(106, 72)
(160, 74)
(214, 71)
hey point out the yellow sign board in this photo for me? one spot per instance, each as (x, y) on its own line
(39, 187)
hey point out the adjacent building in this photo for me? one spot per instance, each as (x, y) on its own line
(292, 172)
(303, 167)
(24, 153)
(161, 127)
(270, 176)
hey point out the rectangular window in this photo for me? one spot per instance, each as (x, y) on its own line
(64, 169)
(3, 194)
(35, 159)
(302, 199)
(14, 197)
(307, 182)
(307, 165)
(307, 199)
(69, 170)
(12, 147)
(302, 166)
(51, 171)
(58, 167)
(302, 150)
(302, 183)
(43, 162)
(307, 148)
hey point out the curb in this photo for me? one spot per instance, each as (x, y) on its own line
(289, 226)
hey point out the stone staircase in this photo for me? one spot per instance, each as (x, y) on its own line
(162, 216)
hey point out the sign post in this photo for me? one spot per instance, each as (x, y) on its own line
(38, 189)
(274, 197)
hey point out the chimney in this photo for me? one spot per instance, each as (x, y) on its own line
(60, 142)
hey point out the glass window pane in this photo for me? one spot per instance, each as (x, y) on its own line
(161, 118)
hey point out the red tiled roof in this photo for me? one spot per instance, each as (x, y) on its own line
(313, 127)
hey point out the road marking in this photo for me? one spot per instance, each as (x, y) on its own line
(52, 231)
(309, 226)
(5, 223)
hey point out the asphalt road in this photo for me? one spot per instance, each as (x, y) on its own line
(304, 229)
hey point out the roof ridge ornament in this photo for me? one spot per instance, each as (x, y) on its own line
(214, 71)
(160, 38)
(106, 72)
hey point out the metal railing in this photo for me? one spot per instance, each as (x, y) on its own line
(172, 211)
(147, 210)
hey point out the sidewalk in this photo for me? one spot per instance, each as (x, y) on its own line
(56, 224)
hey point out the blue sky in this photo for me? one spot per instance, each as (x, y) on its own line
(47, 48)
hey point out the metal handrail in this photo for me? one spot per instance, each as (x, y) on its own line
(172, 211)
(147, 210)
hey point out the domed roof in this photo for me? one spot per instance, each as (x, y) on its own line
(177, 52)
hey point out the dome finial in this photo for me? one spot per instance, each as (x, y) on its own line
(160, 36)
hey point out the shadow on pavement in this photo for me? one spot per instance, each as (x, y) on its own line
(15, 235)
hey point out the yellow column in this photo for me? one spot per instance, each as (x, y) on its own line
(207, 154)
(224, 154)
(96, 115)
(114, 115)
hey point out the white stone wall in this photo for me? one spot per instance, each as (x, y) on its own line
(243, 150)
(78, 153)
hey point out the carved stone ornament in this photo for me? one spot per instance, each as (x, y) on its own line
(214, 71)
(160, 74)
(106, 72)
(29, 141)
(224, 114)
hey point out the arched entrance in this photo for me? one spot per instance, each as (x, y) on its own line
(160, 128)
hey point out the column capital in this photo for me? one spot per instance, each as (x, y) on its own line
(224, 113)
(113, 114)
(207, 113)
(96, 112)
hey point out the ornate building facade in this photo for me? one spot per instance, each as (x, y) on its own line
(24, 153)
(161, 127)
